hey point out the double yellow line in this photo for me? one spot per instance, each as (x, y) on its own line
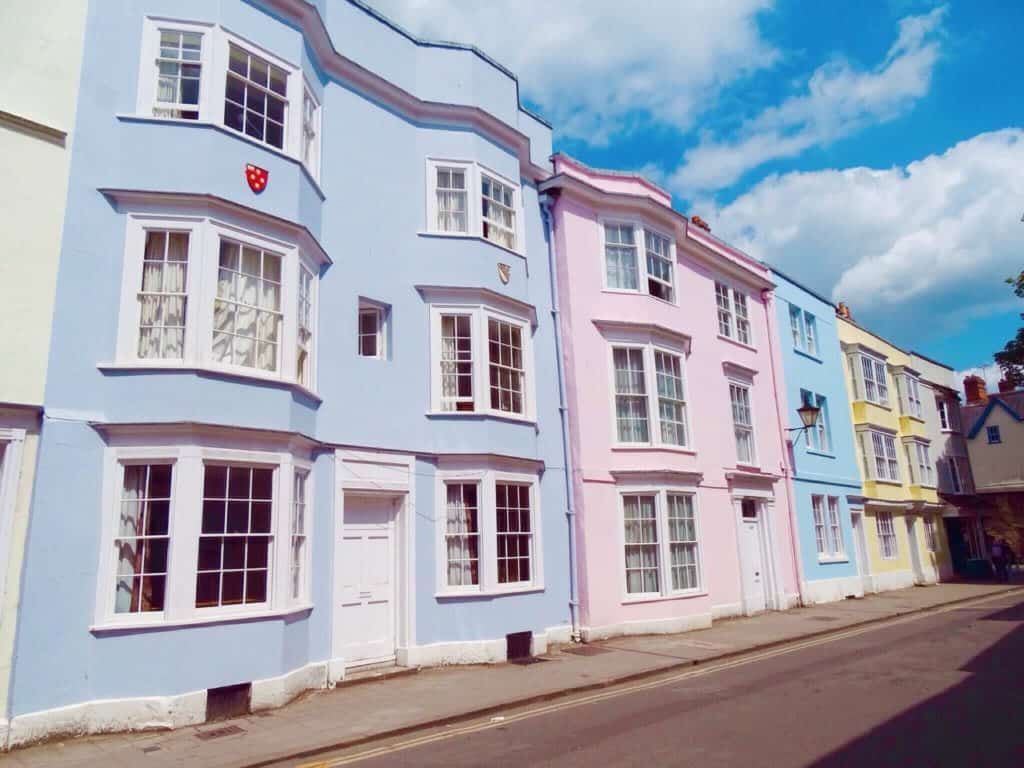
(612, 693)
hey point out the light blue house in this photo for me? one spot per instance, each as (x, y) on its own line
(302, 407)
(826, 480)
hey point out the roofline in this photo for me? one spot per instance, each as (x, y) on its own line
(631, 175)
(802, 287)
(993, 401)
(423, 42)
(933, 362)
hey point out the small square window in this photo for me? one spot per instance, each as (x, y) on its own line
(993, 435)
(371, 335)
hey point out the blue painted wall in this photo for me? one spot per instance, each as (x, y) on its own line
(367, 213)
(831, 473)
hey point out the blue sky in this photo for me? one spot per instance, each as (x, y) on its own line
(873, 150)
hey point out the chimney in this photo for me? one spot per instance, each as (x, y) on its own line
(699, 222)
(974, 388)
(843, 311)
(1005, 387)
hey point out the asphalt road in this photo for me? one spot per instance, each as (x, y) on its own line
(942, 690)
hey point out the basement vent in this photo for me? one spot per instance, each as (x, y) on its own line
(517, 646)
(227, 701)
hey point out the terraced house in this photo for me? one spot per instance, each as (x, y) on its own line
(681, 507)
(300, 410)
(890, 406)
(826, 481)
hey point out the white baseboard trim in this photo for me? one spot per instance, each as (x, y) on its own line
(550, 636)
(108, 716)
(890, 580)
(456, 652)
(831, 590)
(335, 671)
(669, 626)
(277, 691)
(726, 611)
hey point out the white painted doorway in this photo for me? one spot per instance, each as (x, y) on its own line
(861, 549)
(365, 611)
(752, 561)
(915, 552)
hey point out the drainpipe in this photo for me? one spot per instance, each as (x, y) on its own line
(570, 513)
(768, 299)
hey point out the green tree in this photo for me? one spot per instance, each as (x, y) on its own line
(1011, 359)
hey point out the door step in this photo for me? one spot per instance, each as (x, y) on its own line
(368, 673)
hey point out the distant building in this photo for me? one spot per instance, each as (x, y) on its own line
(994, 426)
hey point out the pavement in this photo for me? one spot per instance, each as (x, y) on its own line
(353, 713)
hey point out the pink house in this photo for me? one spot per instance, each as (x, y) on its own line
(682, 509)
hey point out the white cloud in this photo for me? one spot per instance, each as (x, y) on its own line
(915, 250)
(840, 100)
(600, 67)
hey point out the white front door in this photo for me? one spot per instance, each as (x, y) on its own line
(863, 568)
(366, 607)
(752, 558)
(915, 553)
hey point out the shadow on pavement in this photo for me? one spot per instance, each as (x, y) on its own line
(978, 722)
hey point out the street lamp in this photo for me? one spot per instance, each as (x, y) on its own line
(808, 416)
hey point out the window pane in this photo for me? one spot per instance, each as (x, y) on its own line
(456, 363)
(505, 361)
(142, 541)
(630, 395)
(641, 544)
(462, 535)
(514, 532)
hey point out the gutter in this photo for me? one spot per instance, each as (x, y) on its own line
(570, 512)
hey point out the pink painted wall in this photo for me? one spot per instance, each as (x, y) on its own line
(583, 299)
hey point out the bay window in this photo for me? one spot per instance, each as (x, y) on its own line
(481, 359)
(488, 527)
(202, 73)
(496, 214)
(911, 395)
(918, 459)
(625, 271)
(198, 294)
(661, 543)
(879, 452)
(870, 379)
(190, 533)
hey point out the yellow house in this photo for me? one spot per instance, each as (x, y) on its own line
(39, 73)
(899, 527)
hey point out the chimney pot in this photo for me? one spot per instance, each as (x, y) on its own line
(843, 310)
(1005, 387)
(975, 390)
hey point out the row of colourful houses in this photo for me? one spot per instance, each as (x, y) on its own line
(317, 357)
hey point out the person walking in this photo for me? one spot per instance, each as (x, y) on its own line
(998, 554)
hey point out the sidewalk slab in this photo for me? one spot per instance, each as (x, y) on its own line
(360, 712)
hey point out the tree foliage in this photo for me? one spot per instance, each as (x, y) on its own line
(1011, 359)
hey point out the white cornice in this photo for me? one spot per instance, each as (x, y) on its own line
(628, 330)
(357, 76)
(617, 203)
(461, 294)
(724, 258)
(195, 431)
(213, 205)
(663, 476)
(735, 369)
(33, 128)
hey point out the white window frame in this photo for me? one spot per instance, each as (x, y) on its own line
(888, 541)
(474, 215)
(12, 443)
(189, 461)
(819, 437)
(747, 385)
(212, 86)
(931, 536)
(479, 315)
(828, 528)
(380, 313)
(955, 477)
(649, 349)
(922, 472)
(486, 476)
(810, 334)
(660, 492)
(205, 234)
(305, 469)
(949, 415)
(641, 229)
(877, 383)
(871, 456)
(310, 153)
(796, 326)
(729, 317)
(911, 396)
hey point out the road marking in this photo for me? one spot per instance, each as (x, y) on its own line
(739, 661)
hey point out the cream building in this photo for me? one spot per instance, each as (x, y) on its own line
(39, 73)
(900, 525)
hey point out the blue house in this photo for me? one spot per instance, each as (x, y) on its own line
(826, 479)
(302, 405)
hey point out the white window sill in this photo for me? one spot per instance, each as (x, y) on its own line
(230, 132)
(657, 598)
(748, 467)
(874, 403)
(498, 592)
(638, 292)
(499, 415)
(808, 355)
(187, 367)
(737, 342)
(886, 482)
(653, 447)
(832, 560)
(129, 625)
(823, 454)
(912, 417)
(471, 236)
